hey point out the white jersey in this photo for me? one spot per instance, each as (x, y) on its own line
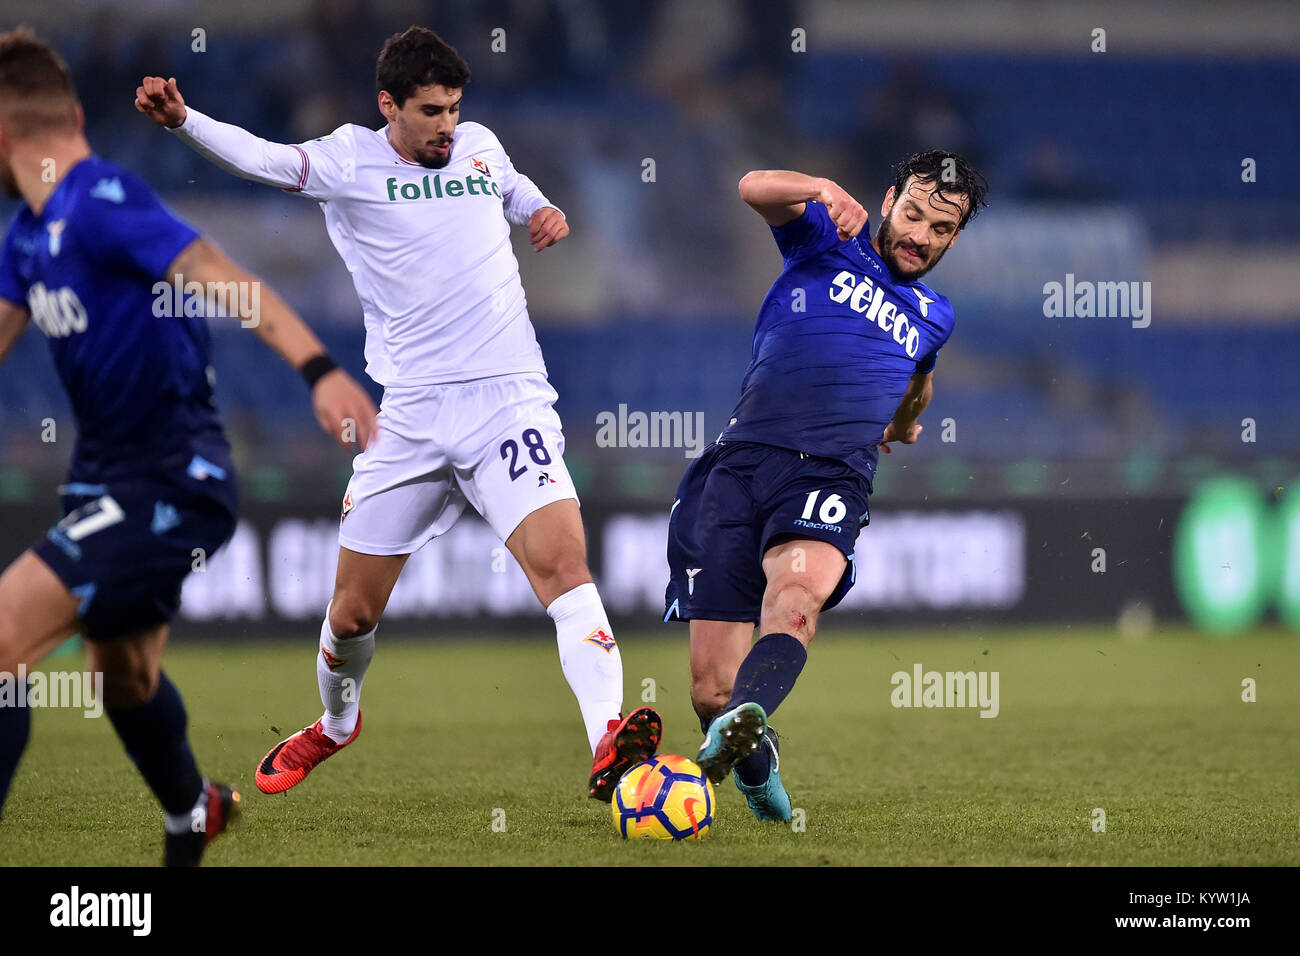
(429, 249)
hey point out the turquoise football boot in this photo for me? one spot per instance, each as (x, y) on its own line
(731, 738)
(768, 800)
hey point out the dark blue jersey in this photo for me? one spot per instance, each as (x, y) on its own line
(836, 342)
(86, 268)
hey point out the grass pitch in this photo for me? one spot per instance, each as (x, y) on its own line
(1153, 732)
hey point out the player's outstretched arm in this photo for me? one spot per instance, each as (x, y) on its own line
(779, 196)
(232, 148)
(343, 407)
(905, 427)
(13, 322)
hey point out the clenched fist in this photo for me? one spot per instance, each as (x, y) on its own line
(907, 436)
(845, 211)
(546, 227)
(161, 101)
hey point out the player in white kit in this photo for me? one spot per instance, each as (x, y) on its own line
(420, 210)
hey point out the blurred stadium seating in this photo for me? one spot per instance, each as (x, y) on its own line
(1117, 166)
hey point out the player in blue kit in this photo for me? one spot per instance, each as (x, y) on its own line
(765, 521)
(150, 485)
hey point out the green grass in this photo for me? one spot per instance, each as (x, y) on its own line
(1154, 732)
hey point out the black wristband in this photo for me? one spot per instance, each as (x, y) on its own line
(316, 368)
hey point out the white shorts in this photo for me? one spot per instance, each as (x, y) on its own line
(495, 442)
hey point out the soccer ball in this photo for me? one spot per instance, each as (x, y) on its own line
(665, 798)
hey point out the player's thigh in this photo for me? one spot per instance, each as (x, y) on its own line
(363, 583)
(813, 511)
(509, 455)
(130, 665)
(37, 612)
(802, 574)
(551, 547)
(717, 650)
(713, 549)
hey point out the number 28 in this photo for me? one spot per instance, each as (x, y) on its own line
(536, 450)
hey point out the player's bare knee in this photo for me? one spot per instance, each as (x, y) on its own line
(129, 684)
(708, 695)
(563, 571)
(791, 608)
(13, 643)
(16, 647)
(352, 617)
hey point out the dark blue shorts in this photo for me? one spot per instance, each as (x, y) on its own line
(125, 547)
(736, 501)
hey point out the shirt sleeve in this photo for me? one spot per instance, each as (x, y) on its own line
(520, 195)
(134, 228)
(314, 169)
(328, 164)
(925, 364)
(12, 287)
(810, 234)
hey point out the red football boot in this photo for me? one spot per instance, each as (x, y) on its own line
(627, 743)
(288, 762)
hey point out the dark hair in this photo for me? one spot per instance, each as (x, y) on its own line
(417, 58)
(951, 173)
(36, 90)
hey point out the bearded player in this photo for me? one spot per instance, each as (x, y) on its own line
(420, 210)
(151, 483)
(764, 525)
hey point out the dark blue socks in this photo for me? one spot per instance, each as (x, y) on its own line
(768, 673)
(766, 677)
(15, 726)
(154, 735)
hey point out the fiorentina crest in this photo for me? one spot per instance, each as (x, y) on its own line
(602, 639)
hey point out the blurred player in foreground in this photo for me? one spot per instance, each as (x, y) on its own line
(420, 211)
(150, 479)
(765, 521)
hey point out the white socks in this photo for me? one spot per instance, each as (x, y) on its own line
(589, 657)
(340, 669)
